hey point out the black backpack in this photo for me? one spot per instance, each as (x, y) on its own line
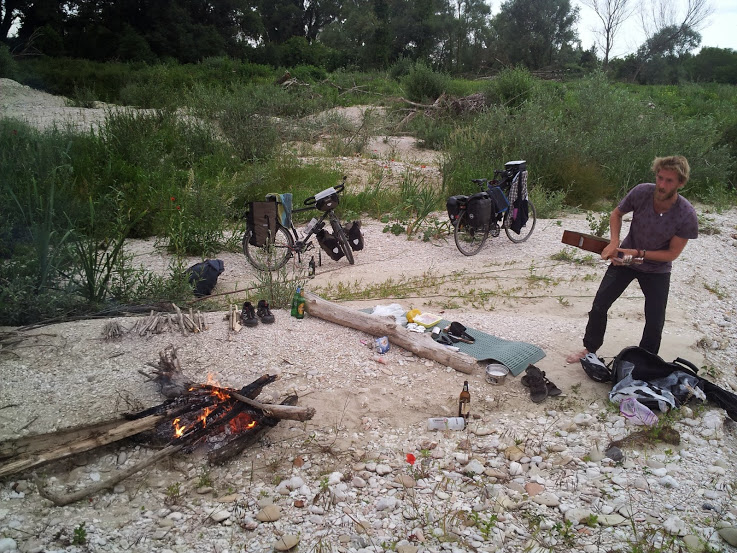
(649, 367)
(204, 276)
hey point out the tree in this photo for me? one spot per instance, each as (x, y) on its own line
(669, 35)
(535, 33)
(469, 32)
(612, 14)
(714, 65)
(418, 26)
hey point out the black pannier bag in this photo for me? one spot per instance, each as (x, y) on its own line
(330, 244)
(501, 205)
(355, 236)
(204, 276)
(454, 205)
(261, 219)
(478, 210)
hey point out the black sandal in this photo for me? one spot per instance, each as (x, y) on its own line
(457, 333)
(535, 380)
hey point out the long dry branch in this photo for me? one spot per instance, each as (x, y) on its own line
(277, 411)
(61, 500)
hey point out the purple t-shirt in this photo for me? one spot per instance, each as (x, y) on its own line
(652, 231)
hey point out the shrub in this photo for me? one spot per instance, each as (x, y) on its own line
(422, 84)
(400, 68)
(8, 67)
(511, 87)
(308, 73)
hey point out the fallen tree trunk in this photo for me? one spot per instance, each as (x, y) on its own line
(118, 432)
(419, 344)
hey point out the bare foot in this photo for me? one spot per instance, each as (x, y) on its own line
(575, 357)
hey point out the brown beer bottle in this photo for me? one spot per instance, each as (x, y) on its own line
(464, 402)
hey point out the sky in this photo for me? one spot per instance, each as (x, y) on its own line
(719, 30)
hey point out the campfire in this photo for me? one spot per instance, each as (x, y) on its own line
(223, 420)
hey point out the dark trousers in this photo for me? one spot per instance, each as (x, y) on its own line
(654, 286)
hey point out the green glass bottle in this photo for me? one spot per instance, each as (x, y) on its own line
(300, 305)
(295, 299)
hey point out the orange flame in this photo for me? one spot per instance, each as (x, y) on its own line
(204, 416)
(216, 389)
(178, 429)
(241, 423)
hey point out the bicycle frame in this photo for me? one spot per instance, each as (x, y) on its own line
(303, 245)
(290, 243)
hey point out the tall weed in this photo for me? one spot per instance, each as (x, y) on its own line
(593, 154)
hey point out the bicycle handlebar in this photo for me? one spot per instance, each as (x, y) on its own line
(338, 189)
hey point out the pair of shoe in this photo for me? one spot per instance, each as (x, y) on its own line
(457, 333)
(539, 385)
(248, 313)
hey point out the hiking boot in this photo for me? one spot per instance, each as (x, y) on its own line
(535, 380)
(264, 313)
(248, 315)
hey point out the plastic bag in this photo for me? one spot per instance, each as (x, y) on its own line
(392, 310)
(636, 412)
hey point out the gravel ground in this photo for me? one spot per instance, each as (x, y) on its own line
(521, 477)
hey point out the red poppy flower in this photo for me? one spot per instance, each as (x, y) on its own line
(411, 459)
(172, 199)
(179, 207)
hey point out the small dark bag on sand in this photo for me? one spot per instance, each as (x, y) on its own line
(204, 276)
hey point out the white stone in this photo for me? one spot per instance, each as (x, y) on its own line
(576, 515)
(474, 466)
(383, 469)
(8, 544)
(515, 469)
(675, 526)
(220, 515)
(386, 504)
(548, 499)
(668, 482)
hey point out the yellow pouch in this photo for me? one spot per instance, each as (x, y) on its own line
(411, 315)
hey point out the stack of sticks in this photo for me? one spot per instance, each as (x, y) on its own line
(158, 323)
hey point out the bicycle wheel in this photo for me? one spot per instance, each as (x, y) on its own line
(526, 230)
(469, 240)
(271, 256)
(341, 237)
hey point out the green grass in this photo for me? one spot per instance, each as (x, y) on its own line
(184, 171)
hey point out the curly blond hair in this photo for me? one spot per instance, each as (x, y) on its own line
(679, 164)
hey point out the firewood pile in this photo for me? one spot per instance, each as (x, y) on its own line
(223, 420)
(159, 322)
